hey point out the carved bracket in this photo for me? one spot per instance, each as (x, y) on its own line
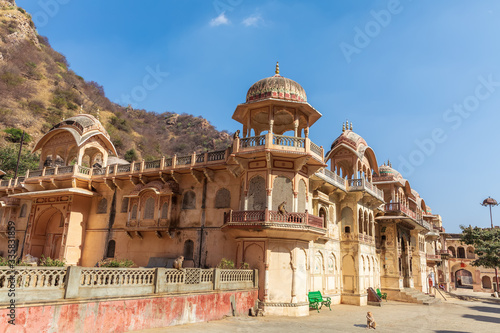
(197, 175)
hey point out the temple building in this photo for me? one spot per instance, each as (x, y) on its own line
(307, 218)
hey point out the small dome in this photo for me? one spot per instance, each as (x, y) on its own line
(386, 170)
(83, 123)
(277, 87)
(351, 138)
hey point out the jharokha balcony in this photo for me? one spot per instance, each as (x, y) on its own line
(403, 211)
(279, 143)
(433, 257)
(255, 223)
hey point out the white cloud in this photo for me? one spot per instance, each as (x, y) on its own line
(252, 21)
(219, 20)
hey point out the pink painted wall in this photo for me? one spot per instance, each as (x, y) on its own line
(126, 315)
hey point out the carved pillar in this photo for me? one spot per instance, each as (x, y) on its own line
(266, 282)
(269, 198)
(295, 201)
(245, 200)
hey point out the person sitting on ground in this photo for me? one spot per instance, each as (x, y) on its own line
(370, 321)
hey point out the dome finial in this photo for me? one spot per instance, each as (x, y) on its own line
(351, 126)
(343, 127)
(277, 71)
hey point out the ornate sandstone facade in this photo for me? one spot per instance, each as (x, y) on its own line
(349, 224)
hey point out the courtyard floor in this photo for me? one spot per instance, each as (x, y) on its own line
(451, 316)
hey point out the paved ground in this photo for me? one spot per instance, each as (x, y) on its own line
(452, 316)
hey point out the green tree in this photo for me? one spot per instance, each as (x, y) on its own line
(15, 134)
(131, 155)
(8, 160)
(486, 243)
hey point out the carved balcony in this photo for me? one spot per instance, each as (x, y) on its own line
(399, 210)
(363, 185)
(433, 257)
(273, 224)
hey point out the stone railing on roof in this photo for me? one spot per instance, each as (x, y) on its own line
(38, 284)
(166, 164)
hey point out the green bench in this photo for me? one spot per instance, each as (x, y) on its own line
(316, 300)
(382, 295)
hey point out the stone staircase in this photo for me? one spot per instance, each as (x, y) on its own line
(415, 296)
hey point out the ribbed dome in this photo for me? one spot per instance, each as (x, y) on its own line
(278, 87)
(83, 123)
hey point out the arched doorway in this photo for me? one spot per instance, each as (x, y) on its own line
(47, 234)
(486, 281)
(463, 279)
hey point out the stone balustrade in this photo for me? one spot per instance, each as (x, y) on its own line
(364, 185)
(38, 284)
(332, 178)
(280, 142)
(164, 164)
(270, 216)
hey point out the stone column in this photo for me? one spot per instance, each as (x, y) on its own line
(269, 199)
(266, 282)
(245, 200)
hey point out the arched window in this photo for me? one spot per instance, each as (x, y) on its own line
(322, 214)
(452, 250)
(102, 207)
(110, 253)
(188, 250)
(346, 216)
(189, 200)
(461, 252)
(149, 209)
(124, 205)
(24, 209)
(223, 198)
(134, 212)
(360, 221)
(164, 210)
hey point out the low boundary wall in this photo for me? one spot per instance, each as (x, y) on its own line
(123, 315)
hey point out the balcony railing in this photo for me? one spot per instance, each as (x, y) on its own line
(281, 142)
(366, 238)
(433, 257)
(207, 158)
(269, 216)
(332, 178)
(253, 141)
(288, 141)
(398, 207)
(364, 185)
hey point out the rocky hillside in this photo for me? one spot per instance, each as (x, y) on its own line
(38, 89)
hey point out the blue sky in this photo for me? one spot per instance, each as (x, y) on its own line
(418, 79)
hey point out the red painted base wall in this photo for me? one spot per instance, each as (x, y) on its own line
(127, 315)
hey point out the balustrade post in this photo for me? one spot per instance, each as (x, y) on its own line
(56, 170)
(43, 171)
(205, 157)
(269, 140)
(160, 282)
(193, 158)
(73, 274)
(162, 163)
(266, 215)
(142, 165)
(217, 272)
(107, 170)
(230, 215)
(132, 167)
(91, 172)
(307, 144)
(174, 161)
(307, 218)
(256, 278)
(115, 169)
(236, 145)
(28, 173)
